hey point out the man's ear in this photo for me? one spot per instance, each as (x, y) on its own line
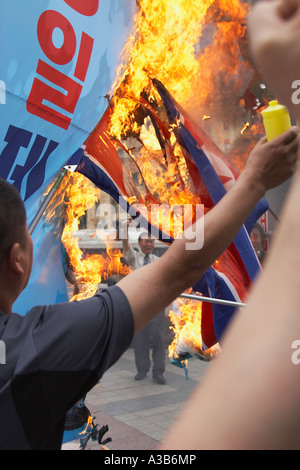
(15, 259)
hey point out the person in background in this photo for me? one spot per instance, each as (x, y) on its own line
(152, 336)
(258, 241)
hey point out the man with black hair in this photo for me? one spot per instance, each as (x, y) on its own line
(15, 242)
(57, 353)
(258, 237)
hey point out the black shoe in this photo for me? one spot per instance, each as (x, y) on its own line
(159, 379)
(140, 376)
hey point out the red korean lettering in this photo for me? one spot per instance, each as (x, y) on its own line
(48, 21)
(84, 56)
(40, 92)
(86, 7)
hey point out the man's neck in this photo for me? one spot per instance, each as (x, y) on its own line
(6, 302)
(4, 309)
(10, 290)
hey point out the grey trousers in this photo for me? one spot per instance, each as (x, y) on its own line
(152, 335)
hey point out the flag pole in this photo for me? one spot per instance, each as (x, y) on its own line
(200, 298)
(47, 201)
(274, 215)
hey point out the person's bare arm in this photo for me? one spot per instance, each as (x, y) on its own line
(153, 287)
(128, 252)
(250, 398)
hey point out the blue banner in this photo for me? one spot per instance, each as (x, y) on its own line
(58, 61)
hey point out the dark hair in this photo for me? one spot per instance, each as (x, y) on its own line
(12, 218)
(144, 235)
(261, 231)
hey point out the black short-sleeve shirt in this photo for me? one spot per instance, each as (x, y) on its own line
(54, 355)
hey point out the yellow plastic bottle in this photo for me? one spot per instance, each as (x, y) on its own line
(276, 119)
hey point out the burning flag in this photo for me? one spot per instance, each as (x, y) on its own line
(232, 274)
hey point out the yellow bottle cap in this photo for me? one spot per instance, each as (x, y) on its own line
(276, 119)
(274, 110)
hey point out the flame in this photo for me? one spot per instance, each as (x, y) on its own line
(163, 46)
(165, 36)
(170, 184)
(75, 196)
(186, 318)
(238, 158)
(245, 127)
(89, 424)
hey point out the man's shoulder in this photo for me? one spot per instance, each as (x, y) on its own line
(27, 316)
(20, 324)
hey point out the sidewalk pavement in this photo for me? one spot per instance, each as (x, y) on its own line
(139, 413)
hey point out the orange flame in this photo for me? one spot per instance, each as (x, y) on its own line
(245, 127)
(186, 318)
(88, 426)
(75, 196)
(165, 36)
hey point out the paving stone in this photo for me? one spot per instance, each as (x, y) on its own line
(139, 414)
